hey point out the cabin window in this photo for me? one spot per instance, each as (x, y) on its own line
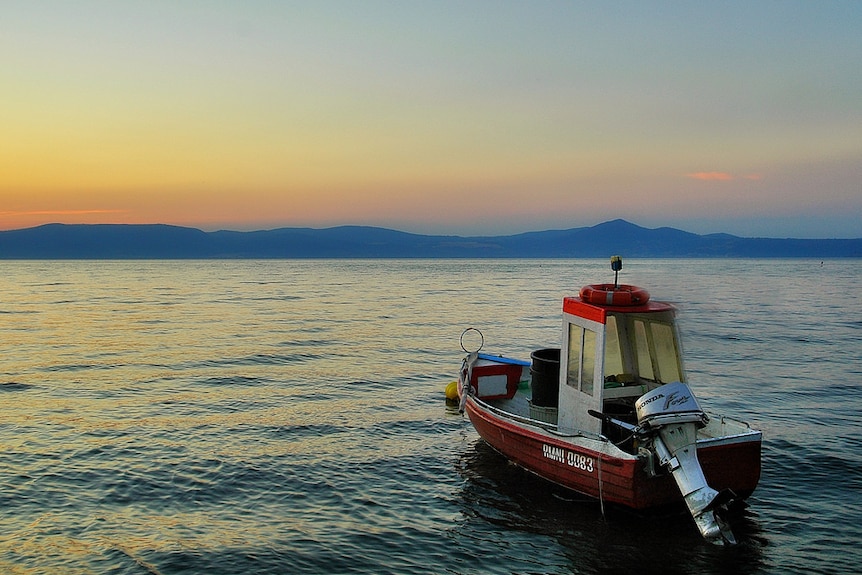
(645, 369)
(588, 363)
(665, 349)
(582, 363)
(613, 356)
(576, 340)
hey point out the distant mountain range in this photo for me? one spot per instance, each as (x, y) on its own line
(120, 241)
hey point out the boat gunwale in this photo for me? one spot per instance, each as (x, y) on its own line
(749, 435)
(552, 432)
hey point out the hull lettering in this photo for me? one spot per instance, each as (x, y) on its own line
(569, 458)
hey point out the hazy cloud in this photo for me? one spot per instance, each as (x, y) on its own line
(61, 212)
(721, 176)
(711, 176)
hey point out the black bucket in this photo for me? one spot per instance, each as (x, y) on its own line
(545, 377)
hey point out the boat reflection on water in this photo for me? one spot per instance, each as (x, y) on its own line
(507, 507)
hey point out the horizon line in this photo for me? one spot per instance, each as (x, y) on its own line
(380, 227)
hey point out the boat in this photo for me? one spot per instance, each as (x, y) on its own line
(610, 414)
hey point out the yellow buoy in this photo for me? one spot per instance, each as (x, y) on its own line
(452, 392)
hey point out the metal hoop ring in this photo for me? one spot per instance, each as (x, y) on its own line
(481, 343)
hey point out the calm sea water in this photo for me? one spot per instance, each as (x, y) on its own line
(288, 417)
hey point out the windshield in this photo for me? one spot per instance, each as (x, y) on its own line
(642, 346)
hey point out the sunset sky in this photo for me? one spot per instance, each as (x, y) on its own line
(466, 117)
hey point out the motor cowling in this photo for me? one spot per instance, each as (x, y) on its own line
(670, 416)
(670, 403)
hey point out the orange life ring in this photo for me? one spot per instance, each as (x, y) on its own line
(608, 294)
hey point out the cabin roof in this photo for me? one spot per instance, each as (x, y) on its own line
(576, 306)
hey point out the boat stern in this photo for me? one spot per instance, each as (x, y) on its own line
(669, 418)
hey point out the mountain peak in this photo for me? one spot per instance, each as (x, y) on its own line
(617, 224)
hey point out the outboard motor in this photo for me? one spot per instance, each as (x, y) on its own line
(670, 416)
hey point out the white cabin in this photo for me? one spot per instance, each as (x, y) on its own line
(610, 356)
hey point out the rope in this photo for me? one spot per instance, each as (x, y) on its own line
(601, 497)
(465, 375)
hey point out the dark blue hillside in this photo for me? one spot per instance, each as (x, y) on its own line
(108, 241)
(59, 241)
(339, 242)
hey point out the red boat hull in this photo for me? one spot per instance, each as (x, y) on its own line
(624, 481)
